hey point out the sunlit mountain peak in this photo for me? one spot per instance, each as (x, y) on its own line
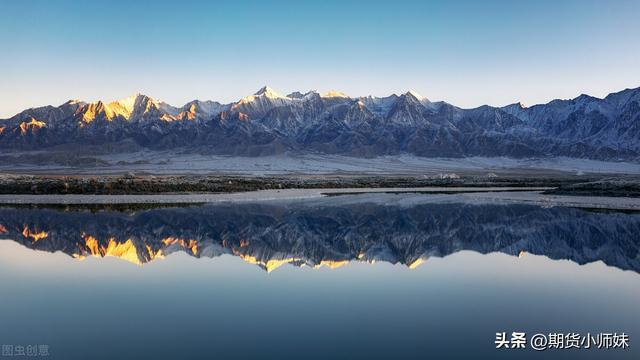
(414, 94)
(129, 100)
(264, 93)
(125, 107)
(268, 92)
(334, 94)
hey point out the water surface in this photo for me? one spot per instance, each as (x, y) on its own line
(379, 276)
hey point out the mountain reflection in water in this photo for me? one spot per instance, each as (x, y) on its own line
(330, 232)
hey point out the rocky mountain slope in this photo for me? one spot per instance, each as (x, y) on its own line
(334, 123)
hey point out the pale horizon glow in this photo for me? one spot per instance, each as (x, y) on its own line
(465, 52)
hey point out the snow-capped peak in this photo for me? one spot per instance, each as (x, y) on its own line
(268, 92)
(415, 95)
(129, 101)
(264, 93)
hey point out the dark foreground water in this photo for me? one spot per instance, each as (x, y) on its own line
(381, 276)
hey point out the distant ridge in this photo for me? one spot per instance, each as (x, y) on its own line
(269, 123)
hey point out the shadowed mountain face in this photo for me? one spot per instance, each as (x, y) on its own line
(269, 123)
(331, 232)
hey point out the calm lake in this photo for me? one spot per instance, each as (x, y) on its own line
(354, 276)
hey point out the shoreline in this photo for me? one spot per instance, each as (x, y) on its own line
(466, 195)
(258, 195)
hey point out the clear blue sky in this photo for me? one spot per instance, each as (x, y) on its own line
(465, 52)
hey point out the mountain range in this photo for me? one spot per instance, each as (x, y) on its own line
(267, 123)
(331, 232)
